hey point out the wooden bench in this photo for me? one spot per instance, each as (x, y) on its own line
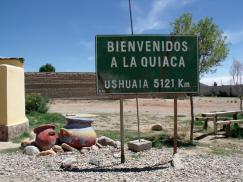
(216, 122)
(206, 119)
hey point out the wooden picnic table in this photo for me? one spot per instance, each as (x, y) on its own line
(217, 122)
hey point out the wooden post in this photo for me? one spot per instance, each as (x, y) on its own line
(175, 125)
(215, 124)
(205, 126)
(241, 97)
(192, 119)
(227, 130)
(122, 132)
(138, 120)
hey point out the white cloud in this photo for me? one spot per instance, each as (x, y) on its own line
(220, 80)
(234, 37)
(155, 17)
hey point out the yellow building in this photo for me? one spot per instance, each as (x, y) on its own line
(13, 121)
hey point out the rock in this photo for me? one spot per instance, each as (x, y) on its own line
(117, 155)
(31, 150)
(47, 152)
(94, 147)
(26, 143)
(118, 144)
(176, 162)
(68, 163)
(68, 147)
(94, 161)
(86, 148)
(32, 135)
(83, 151)
(58, 149)
(98, 145)
(103, 140)
(157, 127)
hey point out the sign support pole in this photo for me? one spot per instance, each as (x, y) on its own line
(139, 139)
(138, 120)
(175, 125)
(122, 132)
(192, 118)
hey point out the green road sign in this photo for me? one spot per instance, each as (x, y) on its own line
(146, 64)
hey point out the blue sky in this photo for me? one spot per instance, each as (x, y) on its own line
(62, 32)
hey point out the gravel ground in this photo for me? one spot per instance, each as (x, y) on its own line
(146, 166)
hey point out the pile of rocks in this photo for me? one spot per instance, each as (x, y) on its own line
(30, 147)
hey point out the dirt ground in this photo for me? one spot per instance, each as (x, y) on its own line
(151, 111)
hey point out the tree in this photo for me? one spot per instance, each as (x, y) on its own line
(236, 71)
(213, 47)
(47, 68)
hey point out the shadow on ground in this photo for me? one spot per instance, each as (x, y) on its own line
(112, 168)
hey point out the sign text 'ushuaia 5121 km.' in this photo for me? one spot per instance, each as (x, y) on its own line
(146, 64)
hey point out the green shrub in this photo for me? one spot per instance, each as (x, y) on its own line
(36, 103)
(47, 68)
(36, 119)
(222, 94)
(236, 131)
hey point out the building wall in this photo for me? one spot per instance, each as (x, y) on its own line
(15, 96)
(66, 85)
(12, 95)
(228, 90)
(83, 85)
(3, 95)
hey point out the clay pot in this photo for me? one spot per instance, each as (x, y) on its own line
(77, 122)
(45, 136)
(78, 138)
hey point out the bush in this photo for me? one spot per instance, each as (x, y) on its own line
(223, 94)
(36, 103)
(236, 131)
(37, 119)
(47, 68)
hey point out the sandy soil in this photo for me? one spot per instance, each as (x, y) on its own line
(151, 111)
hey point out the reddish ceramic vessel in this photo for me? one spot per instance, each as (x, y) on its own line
(45, 136)
(78, 132)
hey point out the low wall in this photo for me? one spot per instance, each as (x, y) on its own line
(83, 85)
(61, 85)
(224, 90)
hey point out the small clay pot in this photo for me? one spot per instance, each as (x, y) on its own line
(45, 136)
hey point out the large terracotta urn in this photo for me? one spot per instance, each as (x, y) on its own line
(45, 136)
(78, 132)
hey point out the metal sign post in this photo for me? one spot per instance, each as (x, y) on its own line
(122, 132)
(138, 121)
(175, 125)
(139, 139)
(192, 119)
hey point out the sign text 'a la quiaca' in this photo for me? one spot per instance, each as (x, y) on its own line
(145, 64)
